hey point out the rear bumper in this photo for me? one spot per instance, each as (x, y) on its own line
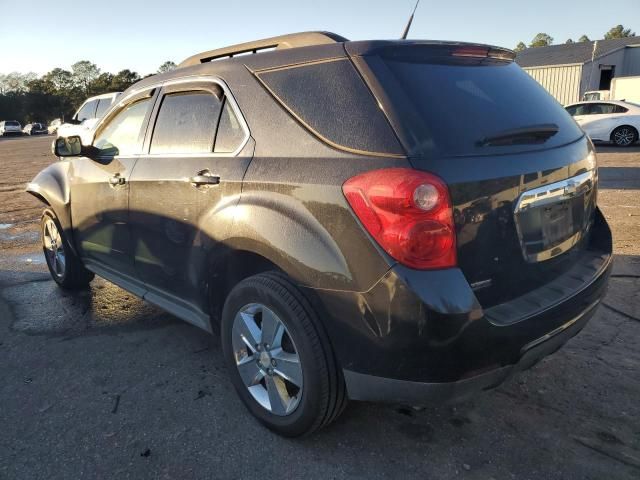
(423, 336)
(379, 389)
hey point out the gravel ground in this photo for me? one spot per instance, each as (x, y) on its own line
(99, 384)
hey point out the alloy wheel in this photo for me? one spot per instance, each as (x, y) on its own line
(623, 136)
(267, 359)
(54, 249)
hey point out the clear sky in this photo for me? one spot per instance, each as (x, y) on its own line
(39, 35)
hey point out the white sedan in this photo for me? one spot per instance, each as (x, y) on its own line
(610, 121)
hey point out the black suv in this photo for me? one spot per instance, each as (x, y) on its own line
(403, 221)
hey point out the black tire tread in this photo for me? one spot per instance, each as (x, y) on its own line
(625, 126)
(76, 277)
(334, 396)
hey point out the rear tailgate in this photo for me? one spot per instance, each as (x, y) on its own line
(521, 174)
(519, 222)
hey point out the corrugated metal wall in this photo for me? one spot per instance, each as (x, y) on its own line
(631, 62)
(561, 81)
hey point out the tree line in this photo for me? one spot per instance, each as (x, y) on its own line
(26, 97)
(544, 39)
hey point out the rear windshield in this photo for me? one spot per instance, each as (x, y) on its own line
(463, 103)
(11, 123)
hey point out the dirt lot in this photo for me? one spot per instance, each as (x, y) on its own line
(100, 385)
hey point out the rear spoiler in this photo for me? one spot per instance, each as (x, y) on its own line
(429, 48)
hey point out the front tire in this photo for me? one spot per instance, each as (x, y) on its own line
(65, 267)
(624, 136)
(279, 358)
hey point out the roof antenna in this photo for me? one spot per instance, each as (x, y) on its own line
(406, 29)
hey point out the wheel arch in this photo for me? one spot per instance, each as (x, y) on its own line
(628, 125)
(51, 187)
(227, 271)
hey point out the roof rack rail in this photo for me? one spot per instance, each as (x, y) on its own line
(293, 40)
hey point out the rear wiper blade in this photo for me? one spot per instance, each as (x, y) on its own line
(521, 136)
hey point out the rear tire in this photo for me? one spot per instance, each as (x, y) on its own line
(624, 136)
(66, 268)
(310, 393)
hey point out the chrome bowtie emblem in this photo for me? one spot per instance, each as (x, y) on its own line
(570, 188)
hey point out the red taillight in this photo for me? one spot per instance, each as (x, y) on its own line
(476, 52)
(408, 213)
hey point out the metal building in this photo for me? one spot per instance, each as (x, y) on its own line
(567, 71)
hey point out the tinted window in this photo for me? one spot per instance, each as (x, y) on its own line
(103, 106)
(582, 109)
(11, 123)
(619, 109)
(602, 108)
(186, 123)
(462, 102)
(121, 135)
(332, 100)
(88, 110)
(230, 133)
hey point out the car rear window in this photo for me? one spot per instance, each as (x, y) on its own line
(11, 124)
(462, 102)
(332, 101)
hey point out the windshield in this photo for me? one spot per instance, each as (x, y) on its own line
(464, 103)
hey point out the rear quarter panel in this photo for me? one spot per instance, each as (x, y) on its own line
(292, 210)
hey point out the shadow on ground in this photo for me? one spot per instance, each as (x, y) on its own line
(98, 382)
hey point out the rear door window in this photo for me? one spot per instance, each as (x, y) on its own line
(602, 108)
(230, 132)
(103, 106)
(186, 123)
(88, 110)
(462, 102)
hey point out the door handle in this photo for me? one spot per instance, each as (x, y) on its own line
(204, 177)
(117, 180)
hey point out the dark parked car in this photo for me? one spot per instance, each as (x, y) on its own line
(300, 200)
(35, 129)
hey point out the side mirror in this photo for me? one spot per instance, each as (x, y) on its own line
(67, 146)
(72, 147)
